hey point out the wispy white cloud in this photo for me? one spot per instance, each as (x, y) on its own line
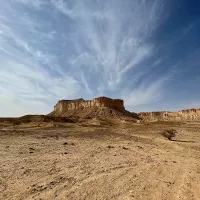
(11, 108)
(146, 93)
(30, 78)
(115, 34)
(37, 4)
(68, 49)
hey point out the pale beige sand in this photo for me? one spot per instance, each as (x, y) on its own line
(124, 161)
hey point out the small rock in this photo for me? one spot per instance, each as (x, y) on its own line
(110, 147)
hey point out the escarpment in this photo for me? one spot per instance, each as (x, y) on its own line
(68, 105)
(98, 107)
(183, 115)
(104, 107)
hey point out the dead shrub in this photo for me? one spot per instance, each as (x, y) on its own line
(16, 122)
(169, 134)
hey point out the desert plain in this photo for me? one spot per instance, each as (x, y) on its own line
(98, 160)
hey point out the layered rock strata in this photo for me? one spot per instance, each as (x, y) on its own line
(183, 115)
(69, 105)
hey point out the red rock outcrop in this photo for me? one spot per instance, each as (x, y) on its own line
(183, 115)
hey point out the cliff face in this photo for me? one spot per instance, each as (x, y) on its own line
(107, 107)
(103, 108)
(183, 115)
(69, 105)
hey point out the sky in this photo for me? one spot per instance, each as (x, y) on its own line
(146, 52)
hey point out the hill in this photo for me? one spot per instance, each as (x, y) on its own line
(101, 107)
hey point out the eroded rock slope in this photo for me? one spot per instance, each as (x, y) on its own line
(98, 107)
(183, 115)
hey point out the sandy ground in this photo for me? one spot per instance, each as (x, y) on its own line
(124, 161)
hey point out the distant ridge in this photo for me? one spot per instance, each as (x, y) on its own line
(103, 108)
(182, 115)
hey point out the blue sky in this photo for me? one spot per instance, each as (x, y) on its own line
(146, 52)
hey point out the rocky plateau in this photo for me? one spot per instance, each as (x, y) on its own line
(183, 115)
(101, 107)
(107, 107)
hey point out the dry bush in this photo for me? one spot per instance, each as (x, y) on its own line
(16, 122)
(169, 134)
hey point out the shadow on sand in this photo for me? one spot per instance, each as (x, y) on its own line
(183, 141)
